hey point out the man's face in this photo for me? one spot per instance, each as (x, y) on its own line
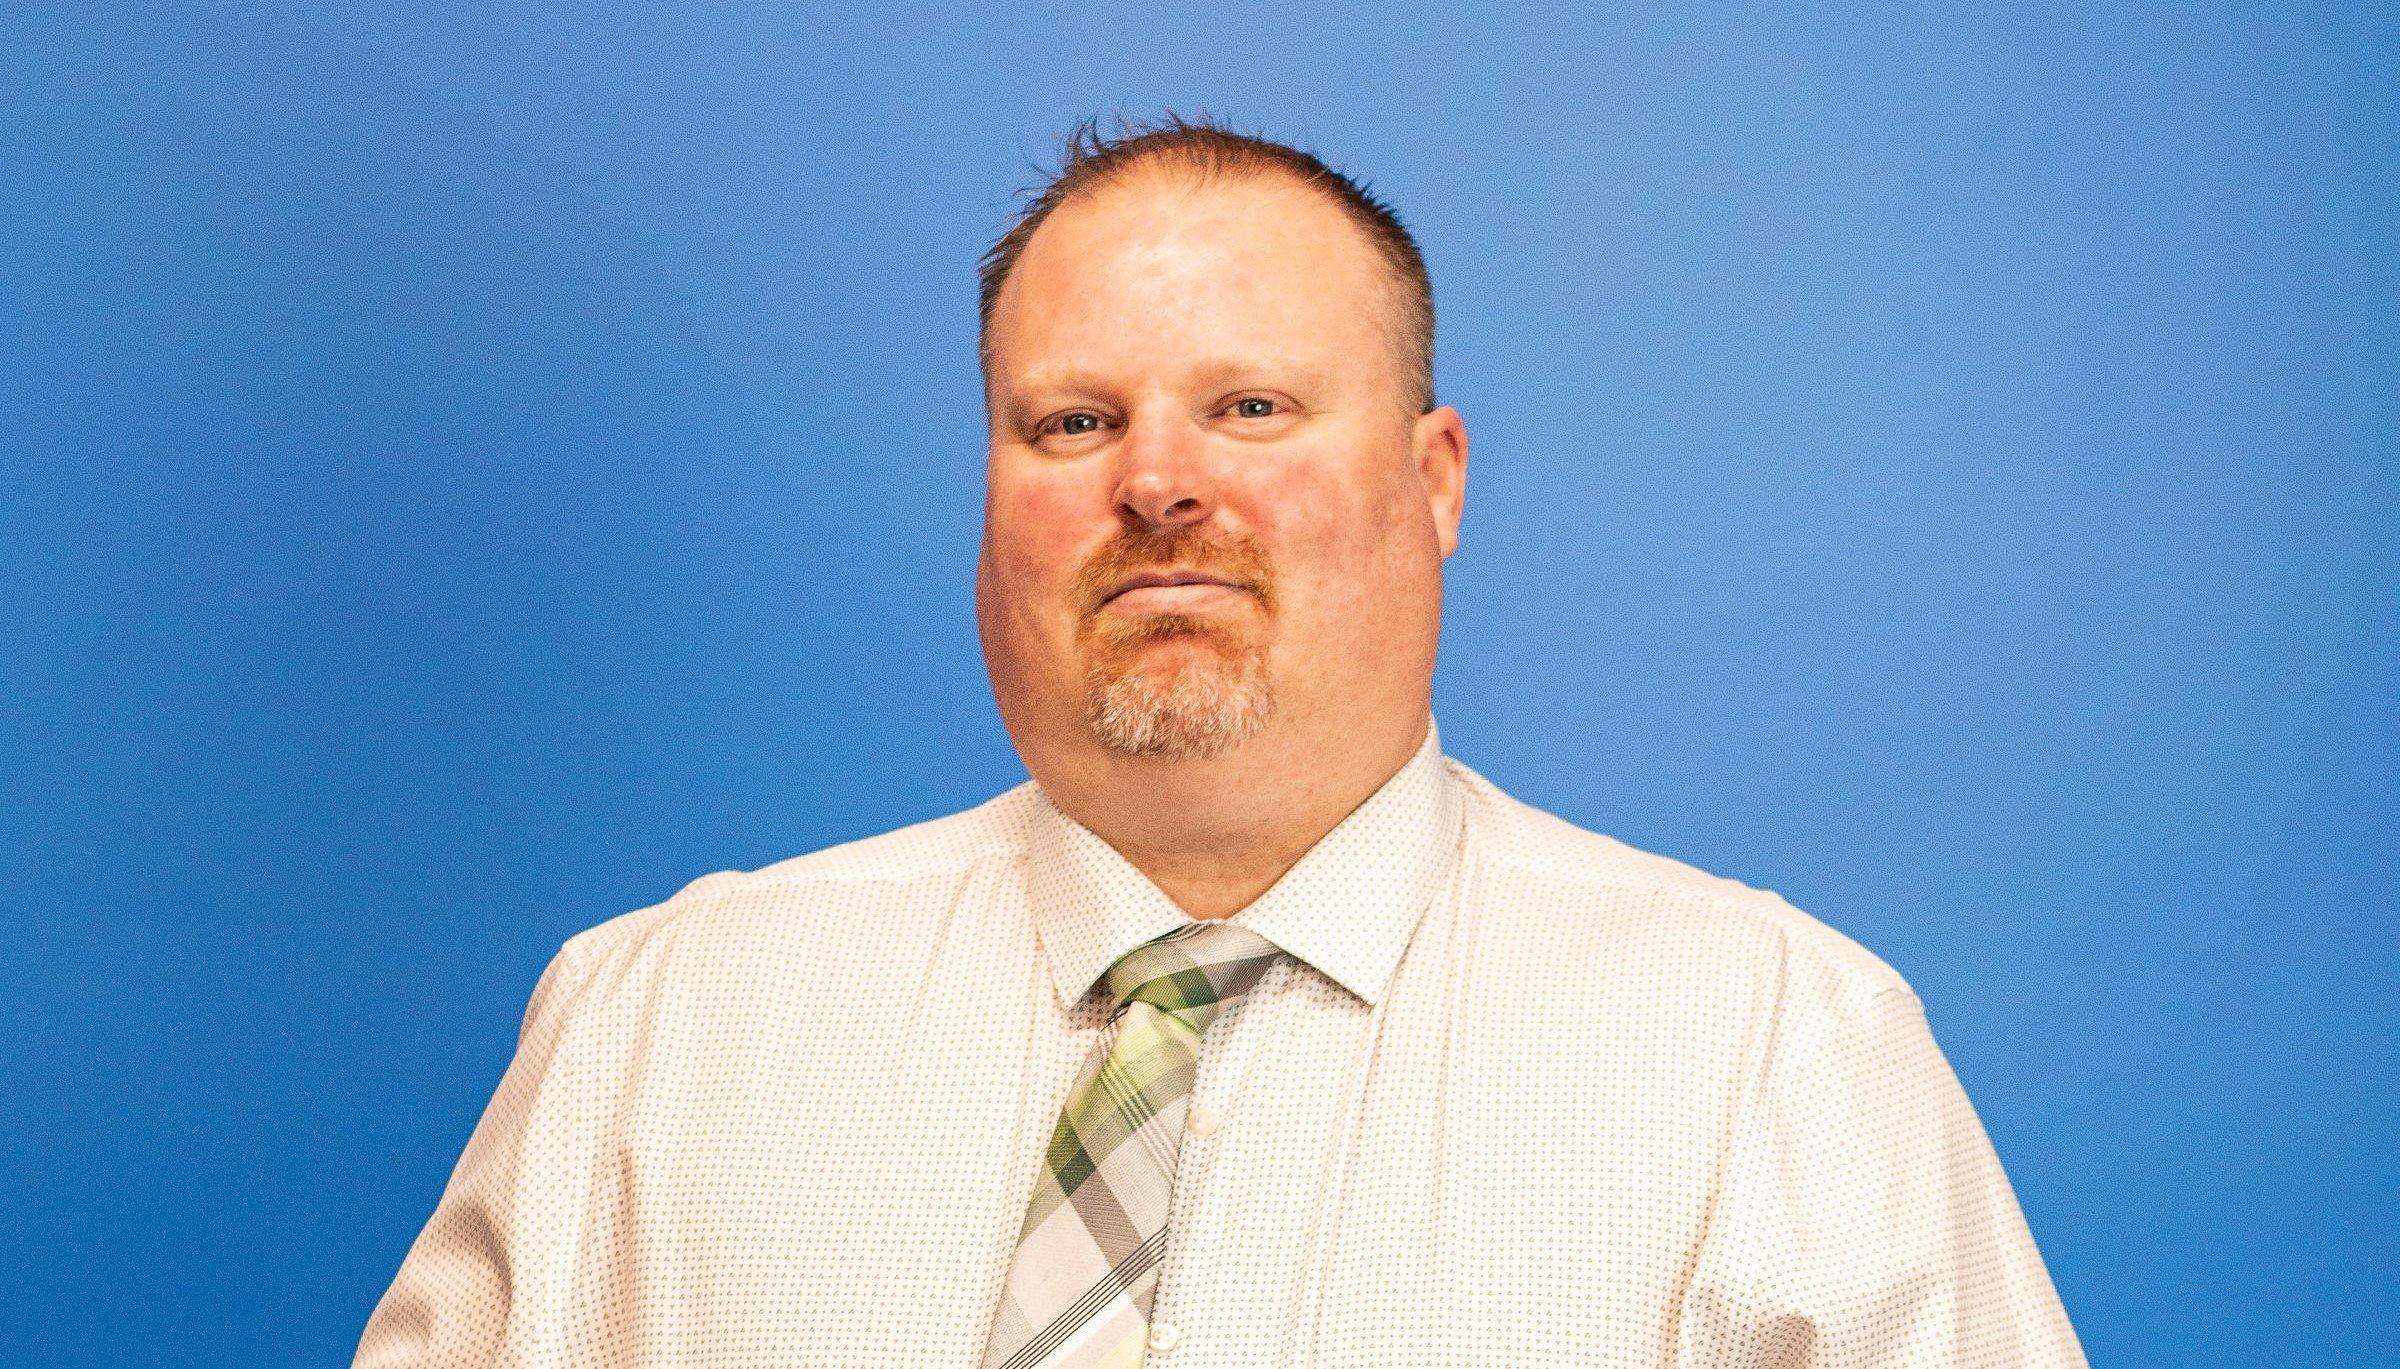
(1203, 386)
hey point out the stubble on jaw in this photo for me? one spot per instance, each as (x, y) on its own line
(1205, 694)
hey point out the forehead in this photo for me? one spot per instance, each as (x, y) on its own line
(1158, 270)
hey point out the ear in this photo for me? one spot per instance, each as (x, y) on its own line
(1438, 446)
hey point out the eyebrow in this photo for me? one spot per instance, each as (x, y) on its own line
(1220, 370)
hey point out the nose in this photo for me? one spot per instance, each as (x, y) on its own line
(1162, 476)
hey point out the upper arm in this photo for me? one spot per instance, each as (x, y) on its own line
(1864, 1219)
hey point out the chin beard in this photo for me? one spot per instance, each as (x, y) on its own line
(1203, 704)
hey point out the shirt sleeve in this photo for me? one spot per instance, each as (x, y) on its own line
(482, 1284)
(1864, 1221)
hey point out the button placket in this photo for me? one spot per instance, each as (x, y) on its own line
(1200, 1120)
(1228, 1060)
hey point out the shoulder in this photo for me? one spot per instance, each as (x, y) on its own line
(837, 899)
(1585, 893)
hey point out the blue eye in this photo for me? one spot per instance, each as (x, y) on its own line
(1075, 425)
(1254, 408)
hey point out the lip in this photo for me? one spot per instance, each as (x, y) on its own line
(1167, 578)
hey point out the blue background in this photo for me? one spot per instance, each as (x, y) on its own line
(470, 470)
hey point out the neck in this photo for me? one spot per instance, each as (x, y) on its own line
(1215, 834)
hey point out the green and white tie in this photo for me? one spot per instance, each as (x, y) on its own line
(1086, 1269)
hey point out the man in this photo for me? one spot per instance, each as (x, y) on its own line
(1253, 1030)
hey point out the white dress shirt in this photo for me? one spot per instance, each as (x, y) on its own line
(1518, 1094)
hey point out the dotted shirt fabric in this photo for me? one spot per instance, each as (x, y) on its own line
(1518, 1094)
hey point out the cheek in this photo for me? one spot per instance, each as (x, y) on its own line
(1038, 527)
(1329, 526)
(1298, 506)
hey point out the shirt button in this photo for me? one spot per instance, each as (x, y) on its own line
(1200, 1121)
(1163, 1336)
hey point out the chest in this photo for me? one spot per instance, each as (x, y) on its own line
(1447, 1179)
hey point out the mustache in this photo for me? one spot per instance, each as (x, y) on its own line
(1236, 557)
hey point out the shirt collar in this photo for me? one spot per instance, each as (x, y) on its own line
(1347, 907)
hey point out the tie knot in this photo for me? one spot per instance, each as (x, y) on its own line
(1192, 972)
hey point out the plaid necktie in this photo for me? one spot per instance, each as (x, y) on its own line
(1086, 1269)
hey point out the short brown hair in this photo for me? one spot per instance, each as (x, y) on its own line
(1205, 150)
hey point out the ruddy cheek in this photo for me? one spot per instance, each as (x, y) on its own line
(1334, 538)
(1053, 530)
(1059, 504)
(1326, 518)
(1041, 524)
(1291, 501)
